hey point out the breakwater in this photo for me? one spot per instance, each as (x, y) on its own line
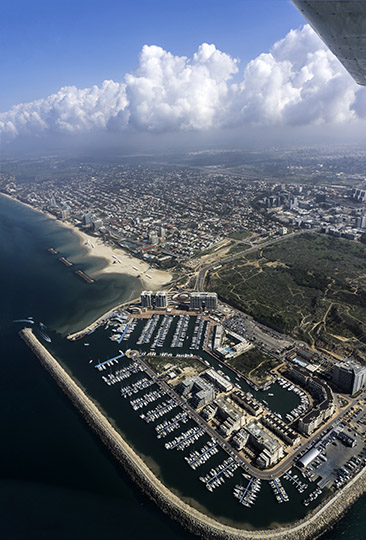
(205, 526)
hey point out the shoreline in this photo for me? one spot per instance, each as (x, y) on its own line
(317, 522)
(117, 260)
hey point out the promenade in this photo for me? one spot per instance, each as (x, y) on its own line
(195, 521)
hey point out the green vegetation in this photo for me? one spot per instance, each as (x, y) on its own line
(165, 364)
(255, 365)
(238, 248)
(240, 235)
(310, 286)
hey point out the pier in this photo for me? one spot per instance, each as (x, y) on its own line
(314, 524)
(65, 261)
(110, 361)
(84, 276)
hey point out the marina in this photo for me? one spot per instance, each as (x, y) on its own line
(216, 476)
(148, 330)
(145, 400)
(159, 411)
(279, 491)
(180, 332)
(247, 495)
(199, 457)
(163, 332)
(185, 439)
(168, 426)
(110, 362)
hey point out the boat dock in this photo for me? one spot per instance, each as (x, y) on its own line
(148, 330)
(162, 333)
(198, 457)
(185, 439)
(294, 480)
(109, 362)
(181, 331)
(279, 490)
(247, 496)
(216, 476)
(197, 334)
(146, 399)
(162, 430)
(122, 374)
(159, 411)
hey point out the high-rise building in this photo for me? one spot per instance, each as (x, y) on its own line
(349, 376)
(161, 299)
(146, 299)
(88, 218)
(203, 300)
(360, 222)
(97, 224)
(341, 25)
(151, 299)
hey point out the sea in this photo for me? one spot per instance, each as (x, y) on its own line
(57, 481)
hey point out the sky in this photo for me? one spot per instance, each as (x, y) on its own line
(200, 70)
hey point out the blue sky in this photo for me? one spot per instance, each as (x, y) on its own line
(200, 72)
(49, 44)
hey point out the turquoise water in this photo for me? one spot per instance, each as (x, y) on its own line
(56, 480)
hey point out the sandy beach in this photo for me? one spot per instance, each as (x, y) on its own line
(117, 260)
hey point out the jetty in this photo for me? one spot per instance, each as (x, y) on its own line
(65, 261)
(313, 525)
(84, 276)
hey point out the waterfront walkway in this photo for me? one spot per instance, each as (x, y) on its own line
(205, 526)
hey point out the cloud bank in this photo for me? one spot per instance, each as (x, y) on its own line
(298, 83)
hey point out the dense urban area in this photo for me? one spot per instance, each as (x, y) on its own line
(258, 341)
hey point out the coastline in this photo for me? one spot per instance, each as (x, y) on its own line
(117, 260)
(314, 524)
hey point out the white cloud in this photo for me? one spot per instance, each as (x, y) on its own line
(172, 92)
(299, 82)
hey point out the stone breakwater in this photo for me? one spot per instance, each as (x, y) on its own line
(311, 527)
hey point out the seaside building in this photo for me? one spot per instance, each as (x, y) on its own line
(247, 402)
(146, 299)
(280, 428)
(233, 417)
(240, 439)
(203, 300)
(240, 345)
(88, 218)
(161, 299)
(218, 380)
(349, 377)
(323, 400)
(150, 299)
(197, 391)
(271, 450)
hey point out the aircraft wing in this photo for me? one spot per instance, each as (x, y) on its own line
(341, 24)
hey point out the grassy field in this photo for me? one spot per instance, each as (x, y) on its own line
(312, 287)
(255, 365)
(159, 363)
(240, 235)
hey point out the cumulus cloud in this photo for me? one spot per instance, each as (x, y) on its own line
(299, 82)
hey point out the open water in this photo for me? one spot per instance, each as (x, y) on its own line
(56, 480)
